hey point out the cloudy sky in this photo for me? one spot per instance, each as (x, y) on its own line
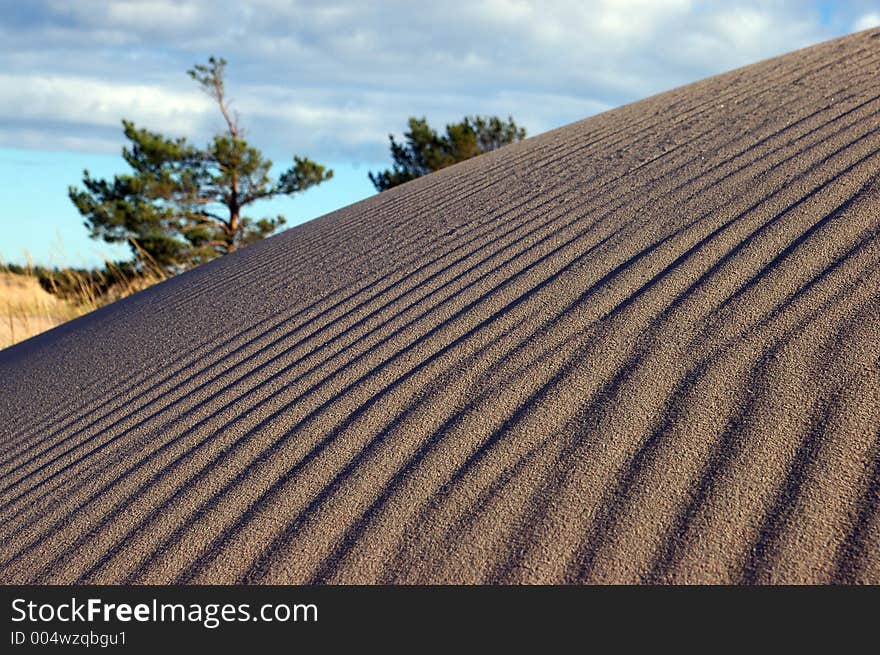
(330, 80)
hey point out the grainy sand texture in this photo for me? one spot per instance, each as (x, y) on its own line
(639, 348)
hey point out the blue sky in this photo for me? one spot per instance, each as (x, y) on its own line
(331, 80)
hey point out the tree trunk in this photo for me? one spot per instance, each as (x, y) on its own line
(234, 211)
(232, 231)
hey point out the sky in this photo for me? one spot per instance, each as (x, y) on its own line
(330, 81)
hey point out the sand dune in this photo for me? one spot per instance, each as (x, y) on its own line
(639, 348)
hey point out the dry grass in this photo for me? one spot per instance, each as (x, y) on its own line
(27, 309)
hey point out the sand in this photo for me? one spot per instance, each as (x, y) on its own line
(639, 348)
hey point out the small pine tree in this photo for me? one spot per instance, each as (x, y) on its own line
(184, 205)
(425, 151)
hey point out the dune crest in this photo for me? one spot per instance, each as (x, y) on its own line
(639, 348)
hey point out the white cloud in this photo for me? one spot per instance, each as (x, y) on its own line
(867, 22)
(133, 16)
(331, 80)
(95, 102)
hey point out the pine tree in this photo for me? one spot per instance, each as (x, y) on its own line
(425, 151)
(184, 205)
